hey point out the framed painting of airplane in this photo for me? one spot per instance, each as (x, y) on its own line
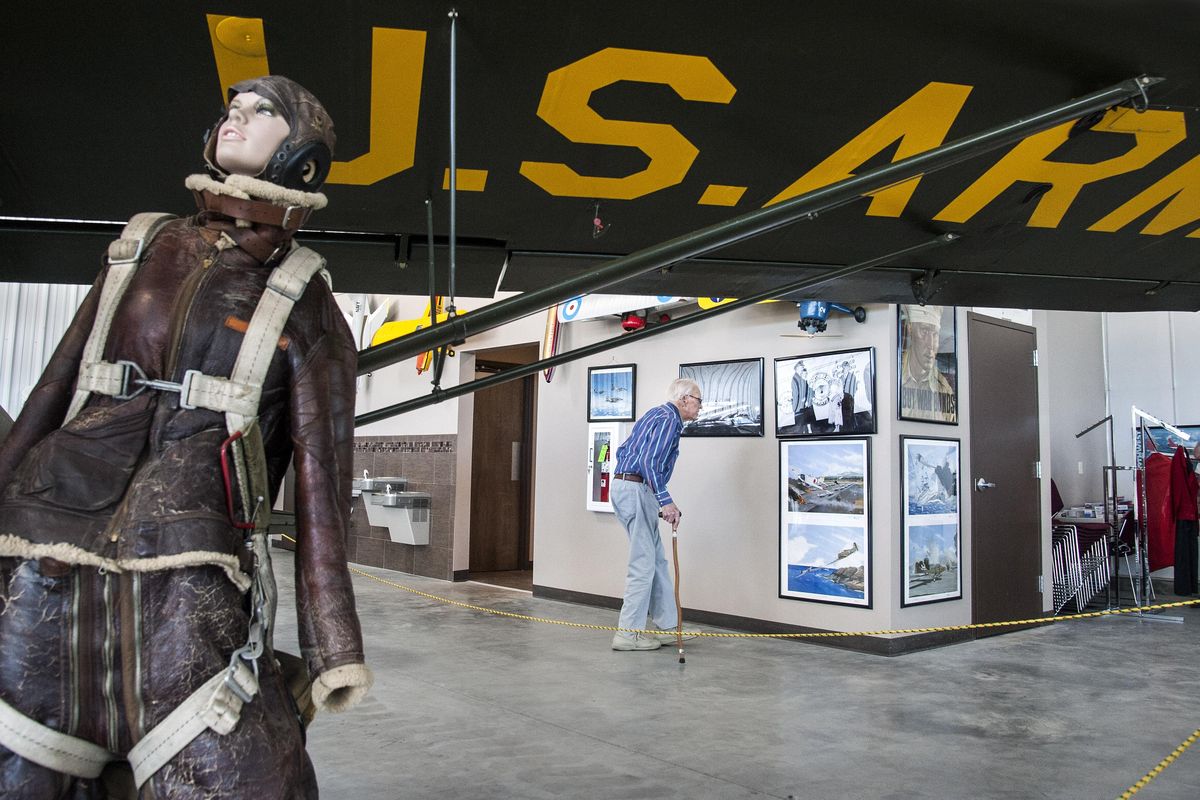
(825, 521)
(733, 398)
(825, 394)
(612, 393)
(930, 520)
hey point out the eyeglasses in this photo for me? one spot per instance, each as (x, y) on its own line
(699, 402)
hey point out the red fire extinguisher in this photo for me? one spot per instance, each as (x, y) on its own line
(603, 473)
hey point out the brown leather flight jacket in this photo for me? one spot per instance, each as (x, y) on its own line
(137, 484)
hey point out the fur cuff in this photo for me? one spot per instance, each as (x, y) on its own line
(341, 688)
(247, 188)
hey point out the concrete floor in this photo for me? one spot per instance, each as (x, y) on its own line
(469, 705)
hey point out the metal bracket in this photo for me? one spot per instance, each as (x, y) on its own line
(924, 288)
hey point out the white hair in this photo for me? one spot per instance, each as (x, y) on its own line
(681, 388)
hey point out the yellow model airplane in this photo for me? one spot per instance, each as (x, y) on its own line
(402, 327)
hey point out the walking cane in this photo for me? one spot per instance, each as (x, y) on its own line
(678, 606)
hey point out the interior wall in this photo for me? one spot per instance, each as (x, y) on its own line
(1072, 359)
(728, 488)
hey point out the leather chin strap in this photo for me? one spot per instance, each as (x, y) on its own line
(290, 218)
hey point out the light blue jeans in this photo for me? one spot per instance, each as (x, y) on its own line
(648, 588)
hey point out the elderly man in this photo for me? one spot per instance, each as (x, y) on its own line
(639, 498)
(925, 393)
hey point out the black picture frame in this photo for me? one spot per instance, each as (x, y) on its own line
(825, 411)
(933, 398)
(825, 521)
(733, 397)
(930, 520)
(612, 393)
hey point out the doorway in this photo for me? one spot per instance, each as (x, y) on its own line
(1006, 560)
(501, 544)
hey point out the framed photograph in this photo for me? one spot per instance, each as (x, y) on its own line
(825, 521)
(733, 398)
(611, 393)
(825, 394)
(927, 364)
(930, 516)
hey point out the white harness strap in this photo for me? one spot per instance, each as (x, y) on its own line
(124, 255)
(215, 706)
(285, 286)
(48, 747)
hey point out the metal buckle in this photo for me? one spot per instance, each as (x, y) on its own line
(137, 254)
(185, 388)
(287, 214)
(129, 368)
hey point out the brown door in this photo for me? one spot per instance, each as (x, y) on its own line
(1005, 515)
(499, 477)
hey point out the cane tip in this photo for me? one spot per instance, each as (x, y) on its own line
(681, 661)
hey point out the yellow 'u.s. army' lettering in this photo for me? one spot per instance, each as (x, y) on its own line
(920, 123)
(1180, 190)
(1154, 132)
(564, 106)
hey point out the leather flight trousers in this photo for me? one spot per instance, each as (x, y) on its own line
(105, 657)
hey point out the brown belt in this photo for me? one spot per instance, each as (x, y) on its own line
(630, 476)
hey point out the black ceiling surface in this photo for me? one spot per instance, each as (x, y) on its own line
(99, 127)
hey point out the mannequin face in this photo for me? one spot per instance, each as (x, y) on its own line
(251, 135)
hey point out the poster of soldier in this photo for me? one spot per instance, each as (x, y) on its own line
(931, 520)
(927, 364)
(825, 521)
(825, 394)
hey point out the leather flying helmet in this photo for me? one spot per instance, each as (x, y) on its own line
(303, 160)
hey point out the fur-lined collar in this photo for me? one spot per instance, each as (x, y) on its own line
(247, 188)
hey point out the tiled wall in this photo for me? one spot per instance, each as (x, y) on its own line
(428, 462)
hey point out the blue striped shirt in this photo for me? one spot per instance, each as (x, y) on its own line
(652, 447)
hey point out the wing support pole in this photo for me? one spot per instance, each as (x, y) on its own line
(521, 371)
(750, 224)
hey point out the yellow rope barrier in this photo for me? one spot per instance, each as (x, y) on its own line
(1166, 762)
(813, 635)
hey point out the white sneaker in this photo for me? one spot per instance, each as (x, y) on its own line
(634, 641)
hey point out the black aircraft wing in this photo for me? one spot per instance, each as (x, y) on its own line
(590, 130)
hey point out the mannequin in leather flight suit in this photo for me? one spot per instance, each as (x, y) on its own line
(123, 581)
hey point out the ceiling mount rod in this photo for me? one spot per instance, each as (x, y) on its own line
(750, 224)
(532, 368)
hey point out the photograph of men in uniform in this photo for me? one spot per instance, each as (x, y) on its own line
(928, 364)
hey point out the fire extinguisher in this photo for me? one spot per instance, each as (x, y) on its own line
(604, 473)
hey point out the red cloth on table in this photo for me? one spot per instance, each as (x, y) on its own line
(1184, 486)
(1160, 518)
